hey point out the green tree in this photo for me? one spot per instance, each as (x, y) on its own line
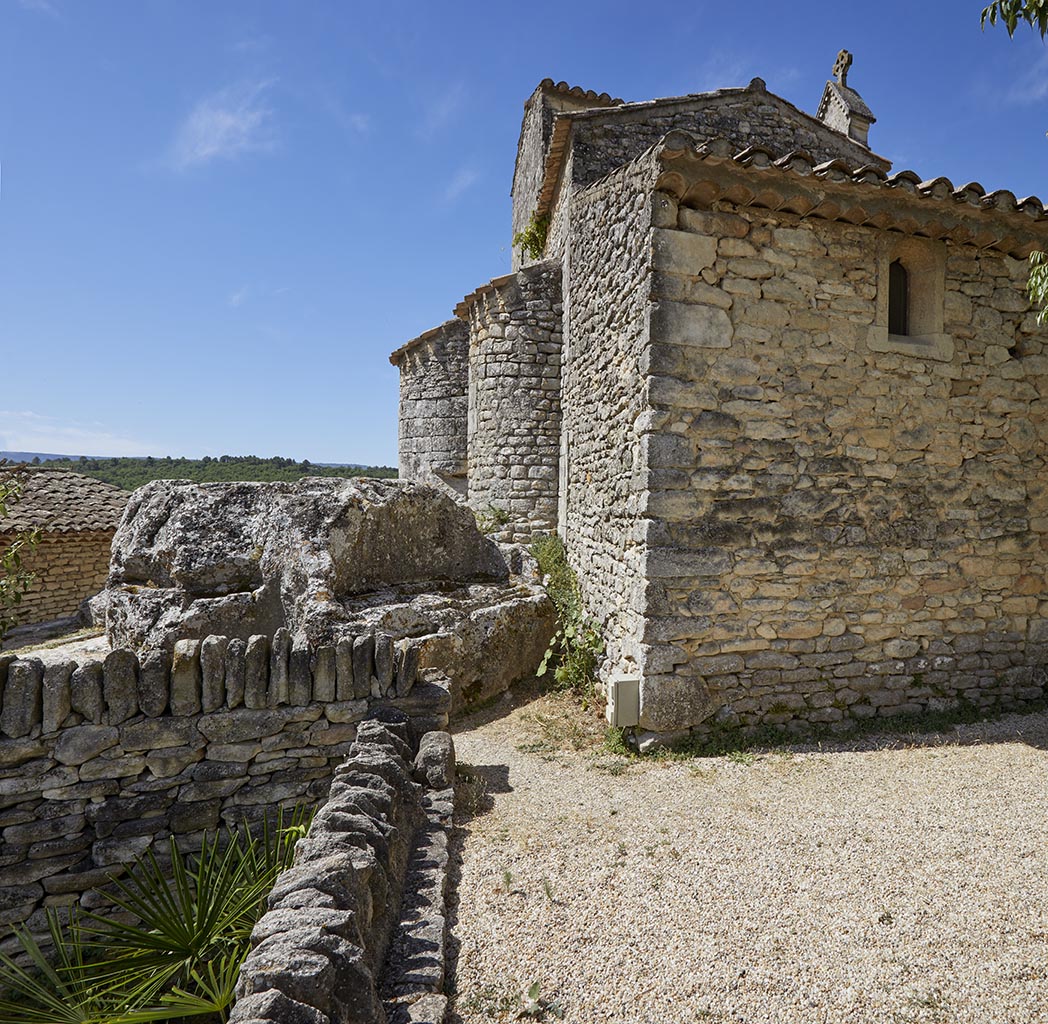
(1011, 13)
(15, 580)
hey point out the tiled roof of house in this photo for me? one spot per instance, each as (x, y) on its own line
(58, 501)
(833, 190)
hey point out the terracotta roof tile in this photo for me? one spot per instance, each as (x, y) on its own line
(56, 500)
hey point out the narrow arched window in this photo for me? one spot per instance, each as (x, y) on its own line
(898, 299)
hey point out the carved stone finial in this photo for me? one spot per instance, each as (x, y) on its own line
(841, 65)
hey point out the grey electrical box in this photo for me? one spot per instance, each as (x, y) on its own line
(623, 708)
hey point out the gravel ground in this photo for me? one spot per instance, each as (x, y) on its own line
(893, 880)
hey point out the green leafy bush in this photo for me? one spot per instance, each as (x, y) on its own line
(576, 648)
(180, 955)
(532, 240)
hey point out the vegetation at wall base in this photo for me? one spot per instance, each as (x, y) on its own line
(180, 957)
(15, 580)
(576, 648)
(130, 473)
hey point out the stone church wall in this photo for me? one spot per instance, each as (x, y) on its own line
(608, 263)
(514, 396)
(848, 527)
(68, 567)
(434, 370)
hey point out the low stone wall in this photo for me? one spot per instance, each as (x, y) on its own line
(98, 760)
(319, 950)
(68, 567)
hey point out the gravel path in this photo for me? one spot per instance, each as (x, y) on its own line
(900, 884)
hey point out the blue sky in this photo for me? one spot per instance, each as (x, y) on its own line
(218, 218)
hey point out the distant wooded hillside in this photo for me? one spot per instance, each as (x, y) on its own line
(130, 473)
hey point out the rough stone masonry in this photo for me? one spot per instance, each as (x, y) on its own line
(793, 493)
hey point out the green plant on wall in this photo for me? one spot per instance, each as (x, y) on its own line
(15, 580)
(532, 240)
(576, 648)
(177, 952)
(491, 518)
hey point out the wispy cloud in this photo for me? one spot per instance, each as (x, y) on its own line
(22, 431)
(237, 298)
(230, 123)
(39, 7)
(724, 71)
(1032, 85)
(463, 180)
(440, 110)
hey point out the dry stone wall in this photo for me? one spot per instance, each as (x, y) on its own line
(369, 878)
(434, 371)
(838, 530)
(69, 567)
(98, 760)
(514, 397)
(609, 268)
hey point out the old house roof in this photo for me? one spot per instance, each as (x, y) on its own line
(57, 501)
(700, 173)
(448, 325)
(562, 127)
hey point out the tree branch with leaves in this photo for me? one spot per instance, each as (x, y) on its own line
(1012, 13)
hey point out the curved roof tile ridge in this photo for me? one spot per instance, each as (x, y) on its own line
(938, 188)
(756, 156)
(1000, 199)
(867, 174)
(680, 145)
(800, 161)
(908, 180)
(577, 91)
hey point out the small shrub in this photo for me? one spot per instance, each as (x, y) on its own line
(532, 240)
(577, 645)
(491, 518)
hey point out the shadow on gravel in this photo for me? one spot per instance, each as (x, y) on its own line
(475, 787)
(956, 726)
(497, 707)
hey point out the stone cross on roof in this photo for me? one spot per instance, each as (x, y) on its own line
(841, 107)
(841, 65)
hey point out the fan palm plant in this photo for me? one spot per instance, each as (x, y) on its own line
(174, 948)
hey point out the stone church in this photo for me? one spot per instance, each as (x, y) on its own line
(786, 407)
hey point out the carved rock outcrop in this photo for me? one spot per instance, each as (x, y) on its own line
(190, 560)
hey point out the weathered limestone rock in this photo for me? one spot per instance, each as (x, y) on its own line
(57, 699)
(154, 673)
(213, 672)
(256, 672)
(435, 760)
(85, 691)
(193, 560)
(22, 697)
(185, 678)
(120, 686)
